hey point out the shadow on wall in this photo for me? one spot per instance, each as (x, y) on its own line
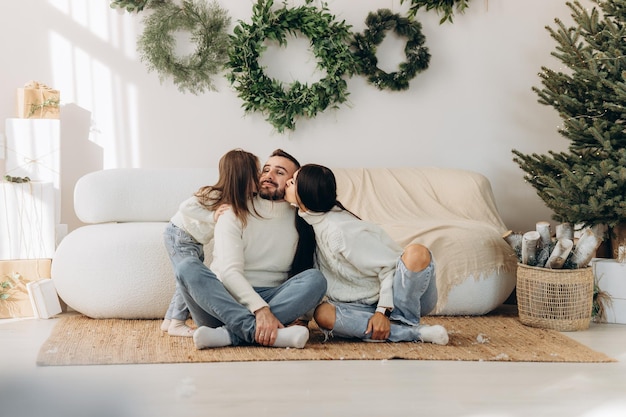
(79, 156)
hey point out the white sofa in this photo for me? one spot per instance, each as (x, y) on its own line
(117, 267)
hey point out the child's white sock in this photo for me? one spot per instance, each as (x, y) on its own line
(436, 334)
(165, 324)
(293, 336)
(208, 337)
(179, 328)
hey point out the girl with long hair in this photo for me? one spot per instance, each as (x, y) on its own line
(377, 291)
(193, 224)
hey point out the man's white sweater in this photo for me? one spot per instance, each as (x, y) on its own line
(257, 255)
(357, 258)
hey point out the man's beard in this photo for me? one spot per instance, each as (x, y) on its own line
(277, 194)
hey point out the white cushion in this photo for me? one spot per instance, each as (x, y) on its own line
(137, 195)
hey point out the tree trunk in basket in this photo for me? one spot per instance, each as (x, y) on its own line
(586, 247)
(564, 231)
(559, 254)
(530, 241)
(543, 228)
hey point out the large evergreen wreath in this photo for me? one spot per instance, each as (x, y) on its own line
(134, 6)
(417, 56)
(446, 7)
(329, 43)
(207, 25)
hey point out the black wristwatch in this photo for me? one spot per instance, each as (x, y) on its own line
(383, 310)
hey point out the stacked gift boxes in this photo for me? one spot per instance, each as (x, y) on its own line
(31, 204)
(31, 189)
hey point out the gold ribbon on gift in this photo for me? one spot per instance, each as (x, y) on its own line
(42, 100)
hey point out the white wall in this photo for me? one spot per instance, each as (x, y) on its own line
(467, 110)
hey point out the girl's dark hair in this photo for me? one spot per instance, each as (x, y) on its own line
(237, 184)
(305, 251)
(316, 188)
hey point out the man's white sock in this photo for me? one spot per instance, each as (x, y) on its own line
(208, 337)
(165, 324)
(293, 337)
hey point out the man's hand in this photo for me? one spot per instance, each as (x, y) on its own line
(267, 326)
(379, 326)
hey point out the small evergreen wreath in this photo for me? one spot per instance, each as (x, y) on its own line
(329, 42)
(207, 25)
(364, 46)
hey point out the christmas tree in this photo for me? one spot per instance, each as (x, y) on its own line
(587, 184)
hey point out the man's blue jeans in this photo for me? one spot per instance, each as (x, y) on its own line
(212, 305)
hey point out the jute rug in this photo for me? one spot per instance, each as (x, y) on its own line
(78, 340)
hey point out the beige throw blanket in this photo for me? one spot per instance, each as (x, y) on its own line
(453, 212)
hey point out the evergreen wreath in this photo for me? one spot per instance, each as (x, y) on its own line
(134, 6)
(364, 46)
(207, 25)
(329, 41)
(441, 6)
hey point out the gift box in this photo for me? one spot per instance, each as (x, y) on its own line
(38, 101)
(610, 276)
(44, 298)
(33, 149)
(27, 220)
(14, 278)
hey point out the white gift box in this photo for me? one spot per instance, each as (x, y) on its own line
(27, 223)
(610, 275)
(44, 298)
(33, 150)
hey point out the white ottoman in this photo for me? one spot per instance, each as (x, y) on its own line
(96, 272)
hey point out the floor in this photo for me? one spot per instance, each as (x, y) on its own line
(311, 388)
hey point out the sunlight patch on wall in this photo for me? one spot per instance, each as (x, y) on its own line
(91, 15)
(86, 70)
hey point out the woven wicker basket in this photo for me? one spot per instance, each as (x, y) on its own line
(557, 299)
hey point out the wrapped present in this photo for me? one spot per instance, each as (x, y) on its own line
(38, 101)
(44, 298)
(14, 277)
(33, 149)
(27, 220)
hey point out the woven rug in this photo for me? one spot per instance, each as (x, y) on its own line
(78, 340)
